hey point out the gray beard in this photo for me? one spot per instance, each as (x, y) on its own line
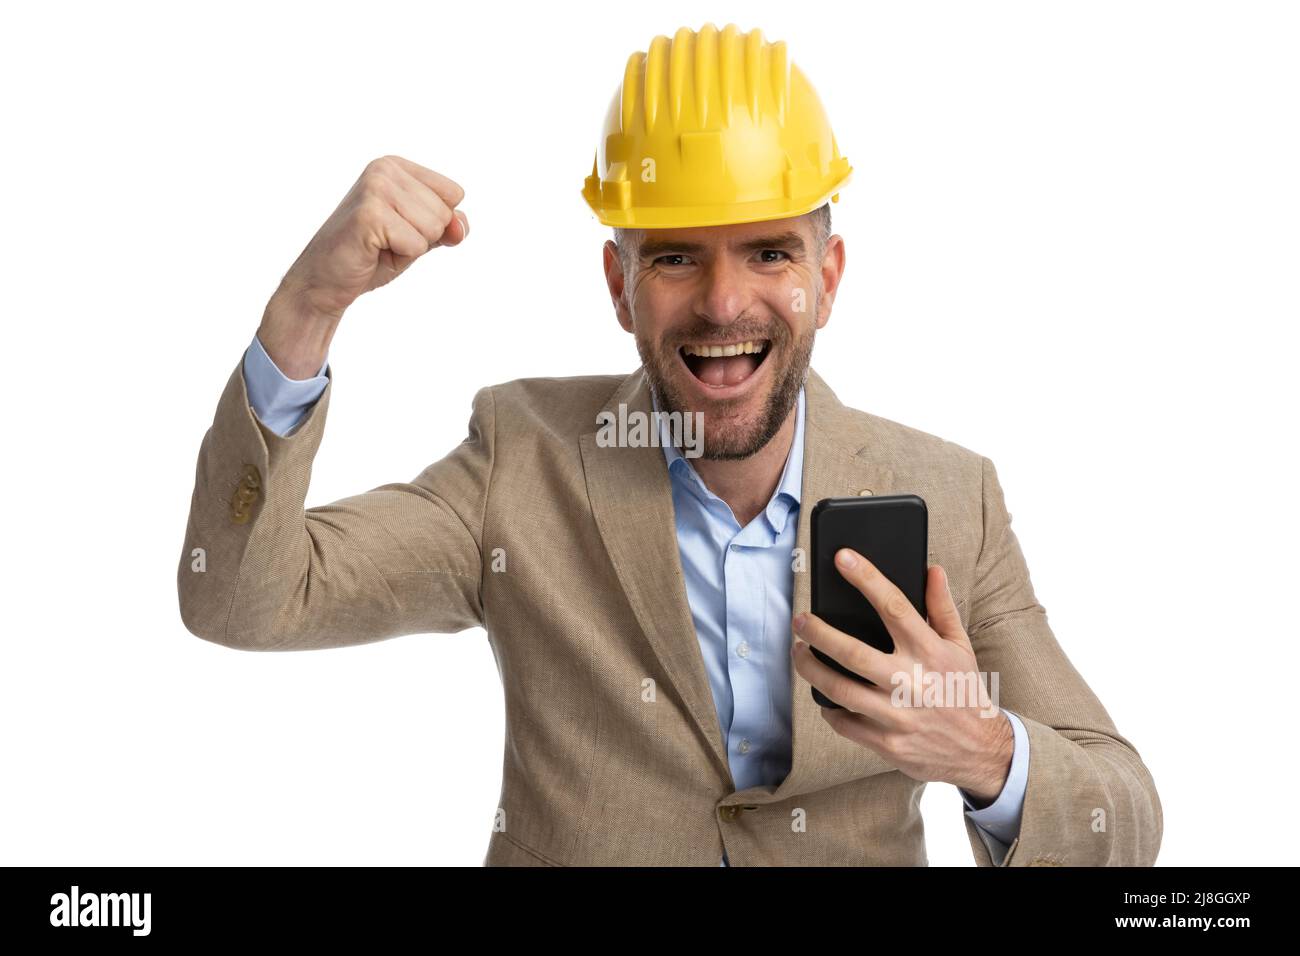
(737, 445)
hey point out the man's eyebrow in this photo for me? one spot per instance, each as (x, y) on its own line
(788, 241)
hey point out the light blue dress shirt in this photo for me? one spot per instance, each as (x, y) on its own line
(739, 582)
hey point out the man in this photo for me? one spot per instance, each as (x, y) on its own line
(642, 586)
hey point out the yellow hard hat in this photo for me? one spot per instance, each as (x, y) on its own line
(713, 128)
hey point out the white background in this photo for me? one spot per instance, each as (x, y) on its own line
(1072, 245)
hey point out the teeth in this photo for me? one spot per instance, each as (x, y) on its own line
(717, 351)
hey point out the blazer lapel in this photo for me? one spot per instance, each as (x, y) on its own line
(631, 500)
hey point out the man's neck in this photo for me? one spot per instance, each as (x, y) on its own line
(747, 484)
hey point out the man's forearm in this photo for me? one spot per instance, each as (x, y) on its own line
(295, 334)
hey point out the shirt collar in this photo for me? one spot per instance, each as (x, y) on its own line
(787, 495)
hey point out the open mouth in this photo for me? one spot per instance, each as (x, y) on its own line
(721, 366)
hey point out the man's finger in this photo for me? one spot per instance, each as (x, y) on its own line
(941, 608)
(456, 230)
(901, 619)
(448, 189)
(858, 656)
(423, 210)
(873, 703)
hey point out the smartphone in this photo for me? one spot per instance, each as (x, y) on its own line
(890, 531)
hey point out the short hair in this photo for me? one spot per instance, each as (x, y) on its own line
(821, 230)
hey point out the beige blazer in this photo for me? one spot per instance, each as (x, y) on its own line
(566, 553)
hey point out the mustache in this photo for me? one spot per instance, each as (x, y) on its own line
(776, 334)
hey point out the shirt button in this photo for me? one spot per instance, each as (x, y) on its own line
(743, 649)
(744, 746)
(864, 491)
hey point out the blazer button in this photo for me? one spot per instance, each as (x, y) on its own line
(730, 812)
(250, 484)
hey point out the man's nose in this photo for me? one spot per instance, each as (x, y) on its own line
(723, 296)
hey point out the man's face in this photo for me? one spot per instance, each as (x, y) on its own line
(751, 289)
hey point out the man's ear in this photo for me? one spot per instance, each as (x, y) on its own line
(616, 282)
(832, 268)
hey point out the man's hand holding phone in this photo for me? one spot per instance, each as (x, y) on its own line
(951, 741)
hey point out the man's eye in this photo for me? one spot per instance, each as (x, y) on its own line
(675, 255)
(779, 252)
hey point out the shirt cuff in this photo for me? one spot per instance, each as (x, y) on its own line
(279, 402)
(1001, 818)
